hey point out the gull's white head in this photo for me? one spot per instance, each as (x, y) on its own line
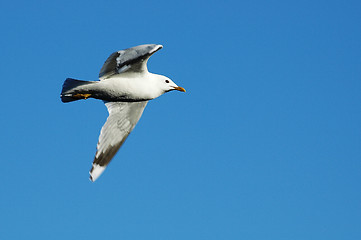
(168, 85)
(161, 84)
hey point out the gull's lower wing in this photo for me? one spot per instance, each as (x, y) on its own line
(123, 116)
(132, 59)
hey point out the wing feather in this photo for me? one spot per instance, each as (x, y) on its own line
(131, 59)
(123, 116)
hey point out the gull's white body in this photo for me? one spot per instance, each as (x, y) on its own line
(125, 86)
(136, 86)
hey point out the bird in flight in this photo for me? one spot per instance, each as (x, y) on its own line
(125, 87)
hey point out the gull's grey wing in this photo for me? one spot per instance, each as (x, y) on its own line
(123, 116)
(131, 59)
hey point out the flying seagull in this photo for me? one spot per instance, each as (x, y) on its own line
(125, 87)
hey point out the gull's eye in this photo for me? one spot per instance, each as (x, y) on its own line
(167, 81)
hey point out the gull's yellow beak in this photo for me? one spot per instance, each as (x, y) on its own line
(179, 89)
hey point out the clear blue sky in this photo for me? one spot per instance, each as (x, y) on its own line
(265, 144)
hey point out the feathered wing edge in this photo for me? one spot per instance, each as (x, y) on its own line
(123, 116)
(131, 59)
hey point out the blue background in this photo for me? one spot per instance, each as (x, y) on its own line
(265, 144)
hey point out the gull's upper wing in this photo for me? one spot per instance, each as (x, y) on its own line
(131, 59)
(123, 116)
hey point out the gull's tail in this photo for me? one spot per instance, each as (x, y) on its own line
(75, 90)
